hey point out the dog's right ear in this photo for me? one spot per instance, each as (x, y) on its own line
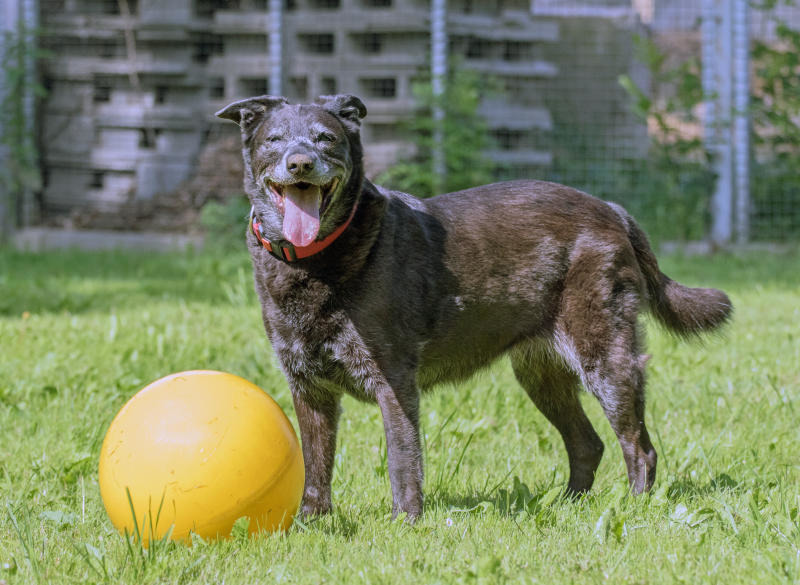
(249, 111)
(345, 106)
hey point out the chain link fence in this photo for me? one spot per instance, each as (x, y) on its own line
(620, 98)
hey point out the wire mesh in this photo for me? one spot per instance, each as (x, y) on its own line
(603, 95)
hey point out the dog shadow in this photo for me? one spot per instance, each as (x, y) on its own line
(337, 523)
(506, 501)
(511, 500)
(688, 488)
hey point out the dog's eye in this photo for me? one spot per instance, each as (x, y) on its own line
(326, 137)
(274, 138)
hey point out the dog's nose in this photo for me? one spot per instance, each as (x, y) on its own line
(299, 164)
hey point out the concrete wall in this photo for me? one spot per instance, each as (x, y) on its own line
(132, 95)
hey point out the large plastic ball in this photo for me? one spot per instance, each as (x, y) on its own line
(196, 451)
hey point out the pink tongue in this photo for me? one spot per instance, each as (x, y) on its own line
(301, 214)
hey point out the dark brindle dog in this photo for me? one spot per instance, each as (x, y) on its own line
(382, 295)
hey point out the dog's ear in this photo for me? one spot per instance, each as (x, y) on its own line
(247, 112)
(345, 106)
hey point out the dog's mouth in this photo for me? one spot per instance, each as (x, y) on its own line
(302, 204)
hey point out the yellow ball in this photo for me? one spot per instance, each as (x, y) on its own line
(196, 451)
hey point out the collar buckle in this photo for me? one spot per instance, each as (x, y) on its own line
(283, 250)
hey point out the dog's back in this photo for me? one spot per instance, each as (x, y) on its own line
(513, 245)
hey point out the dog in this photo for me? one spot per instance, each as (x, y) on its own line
(381, 295)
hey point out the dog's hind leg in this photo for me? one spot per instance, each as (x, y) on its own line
(617, 380)
(553, 388)
(598, 334)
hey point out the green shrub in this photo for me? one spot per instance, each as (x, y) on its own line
(466, 139)
(775, 173)
(670, 191)
(225, 223)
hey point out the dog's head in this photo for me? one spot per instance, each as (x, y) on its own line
(302, 163)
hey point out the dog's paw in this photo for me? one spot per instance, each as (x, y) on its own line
(311, 509)
(408, 516)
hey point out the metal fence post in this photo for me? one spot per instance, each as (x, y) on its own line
(439, 78)
(7, 22)
(19, 21)
(30, 15)
(275, 47)
(717, 86)
(741, 117)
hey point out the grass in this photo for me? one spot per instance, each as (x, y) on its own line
(81, 333)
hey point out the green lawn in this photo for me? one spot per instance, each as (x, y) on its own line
(81, 333)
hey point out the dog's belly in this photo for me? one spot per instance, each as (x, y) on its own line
(441, 368)
(476, 337)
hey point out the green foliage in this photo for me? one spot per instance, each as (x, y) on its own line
(465, 138)
(776, 136)
(671, 202)
(20, 174)
(674, 184)
(771, 4)
(225, 222)
(669, 191)
(82, 332)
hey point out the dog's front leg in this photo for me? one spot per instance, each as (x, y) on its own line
(318, 417)
(400, 410)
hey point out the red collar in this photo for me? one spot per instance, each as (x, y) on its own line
(288, 252)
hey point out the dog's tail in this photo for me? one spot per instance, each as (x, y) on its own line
(684, 311)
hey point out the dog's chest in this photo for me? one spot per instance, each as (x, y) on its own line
(298, 308)
(313, 336)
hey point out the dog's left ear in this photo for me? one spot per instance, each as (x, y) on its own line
(345, 106)
(249, 111)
